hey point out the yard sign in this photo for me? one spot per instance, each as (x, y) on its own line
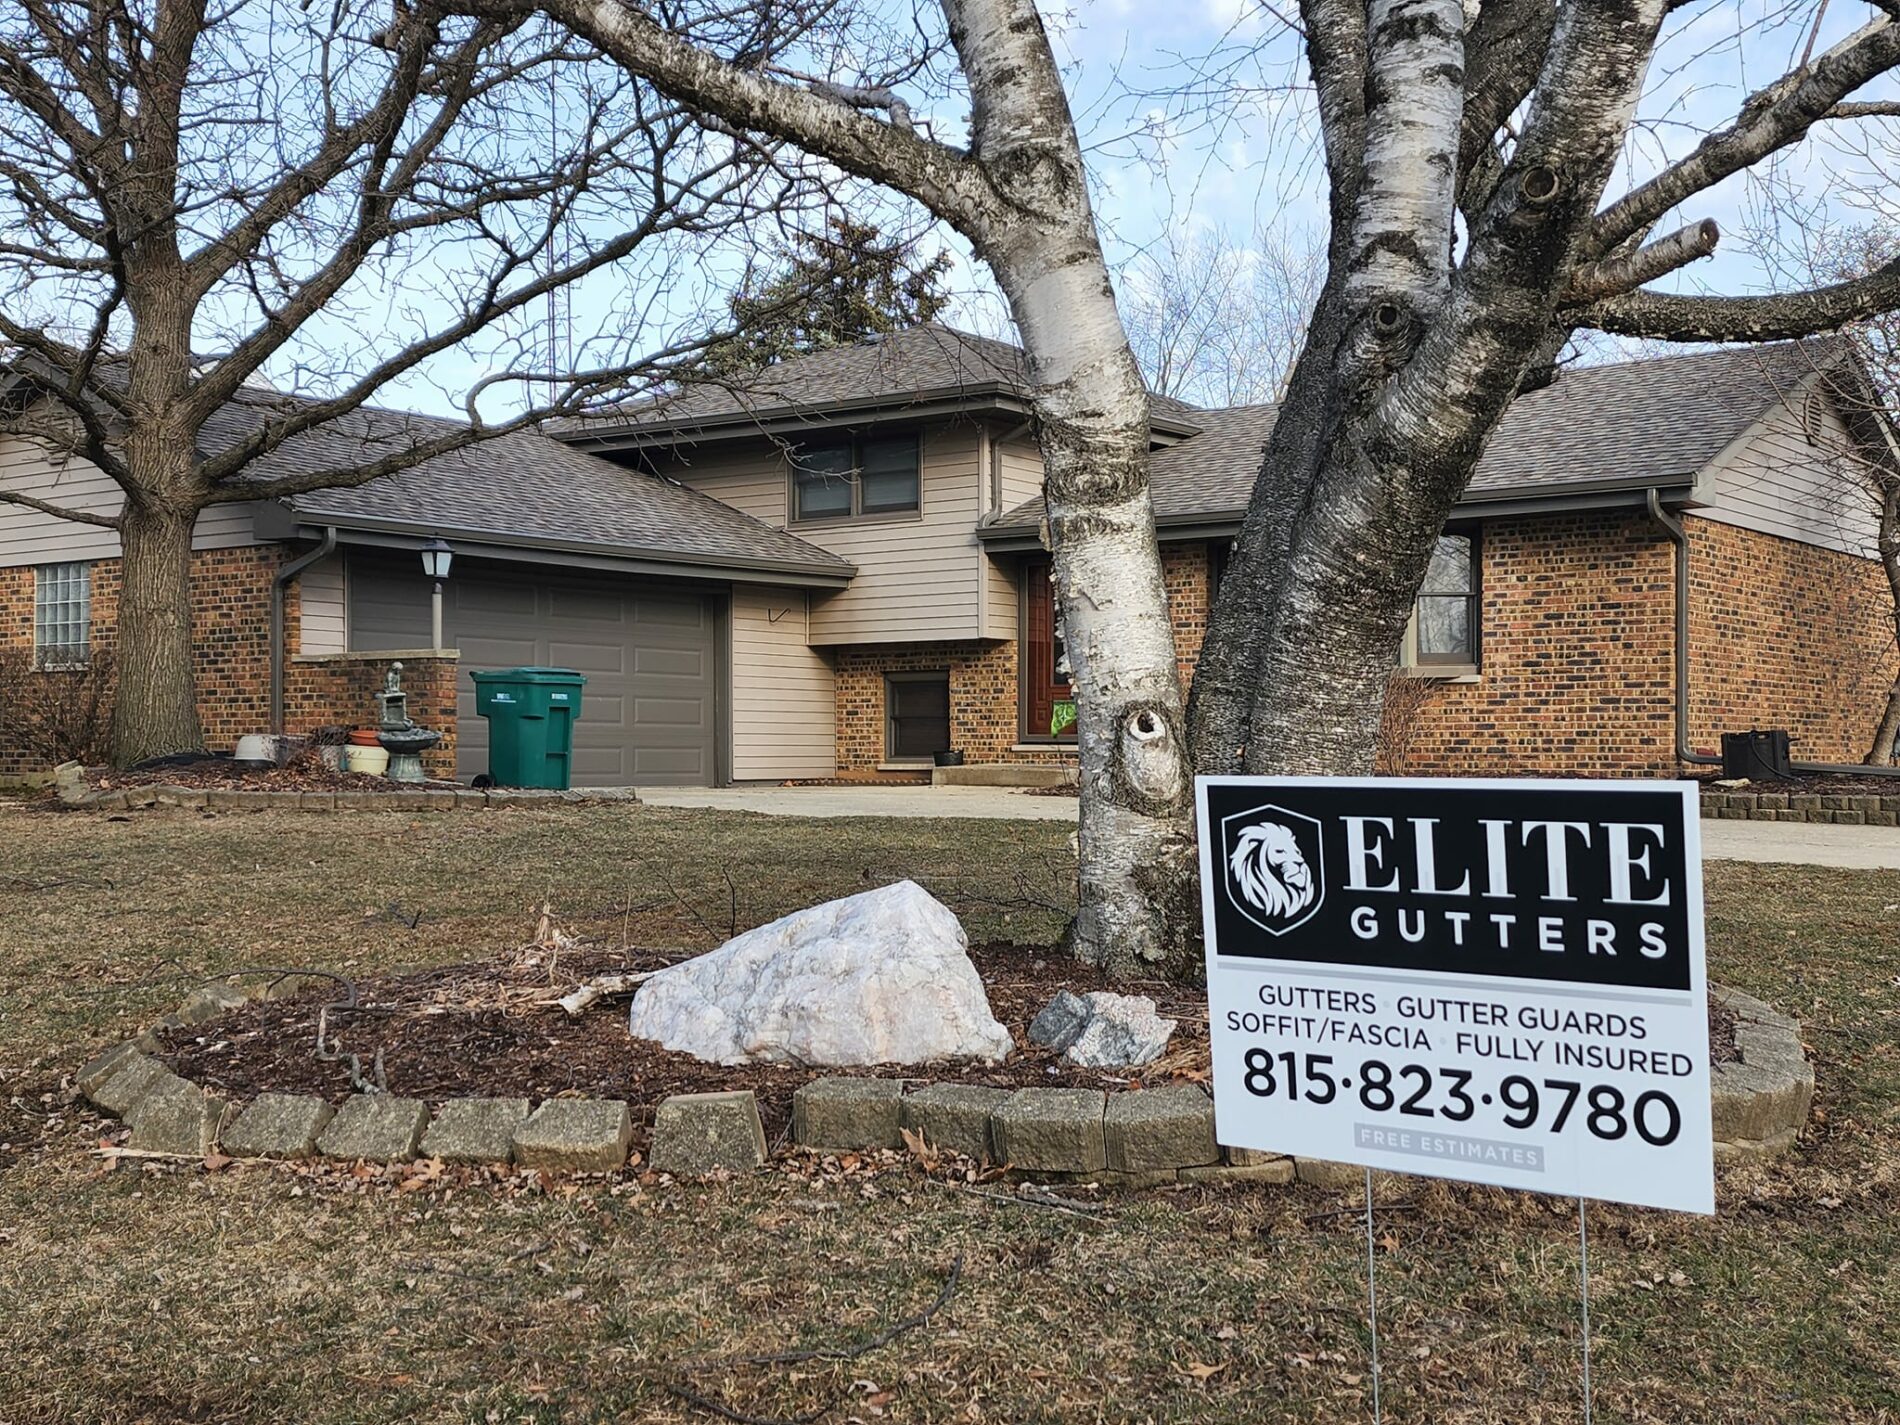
(1498, 981)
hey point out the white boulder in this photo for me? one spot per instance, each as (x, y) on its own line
(883, 977)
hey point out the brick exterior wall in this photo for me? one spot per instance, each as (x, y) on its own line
(1578, 678)
(334, 690)
(1786, 635)
(230, 593)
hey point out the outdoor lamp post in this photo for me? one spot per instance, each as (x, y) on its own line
(436, 556)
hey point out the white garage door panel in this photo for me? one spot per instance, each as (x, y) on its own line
(649, 710)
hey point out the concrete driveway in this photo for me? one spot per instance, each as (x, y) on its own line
(1857, 847)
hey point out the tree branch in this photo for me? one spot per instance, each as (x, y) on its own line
(1771, 119)
(946, 180)
(1615, 275)
(1669, 316)
(61, 512)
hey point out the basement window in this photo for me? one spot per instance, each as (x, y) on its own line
(917, 716)
(62, 616)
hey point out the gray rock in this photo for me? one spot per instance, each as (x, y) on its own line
(278, 1125)
(848, 1115)
(1160, 1129)
(1100, 1030)
(97, 1070)
(475, 1130)
(375, 1127)
(177, 1117)
(124, 1088)
(878, 978)
(699, 1133)
(575, 1135)
(954, 1118)
(207, 1002)
(1052, 1130)
(1059, 1023)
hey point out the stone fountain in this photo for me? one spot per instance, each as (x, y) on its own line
(400, 737)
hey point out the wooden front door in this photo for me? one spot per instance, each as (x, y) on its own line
(1043, 681)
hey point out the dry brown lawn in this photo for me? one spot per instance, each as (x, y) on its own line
(172, 1293)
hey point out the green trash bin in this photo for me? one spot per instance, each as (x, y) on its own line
(531, 713)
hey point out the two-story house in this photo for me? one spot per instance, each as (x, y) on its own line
(839, 570)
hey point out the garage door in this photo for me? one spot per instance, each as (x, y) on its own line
(649, 714)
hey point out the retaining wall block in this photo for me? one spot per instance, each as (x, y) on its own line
(848, 1114)
(699, 1133)
(1052, 1130)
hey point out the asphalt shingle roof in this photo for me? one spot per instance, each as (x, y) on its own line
(1639, 422)
(906, 365)
(522, 485)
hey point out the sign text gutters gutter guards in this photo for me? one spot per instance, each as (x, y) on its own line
(1498, 981)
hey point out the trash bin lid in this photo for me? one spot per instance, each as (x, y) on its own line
(528, 675)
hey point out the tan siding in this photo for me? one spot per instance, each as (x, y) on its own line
(30, 537)
(783, 717)
(1022, 471)
(1776, 480)
(322, 627)
(918, 579)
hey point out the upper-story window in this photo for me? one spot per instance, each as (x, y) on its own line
(861, 475)
(1444, 629)
(62, 615)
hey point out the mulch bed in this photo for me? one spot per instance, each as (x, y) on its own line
(305, 774)
(1846, 784)
(488, 1028)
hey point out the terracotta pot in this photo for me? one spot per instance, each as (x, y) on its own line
(372, 761)
(364, 737)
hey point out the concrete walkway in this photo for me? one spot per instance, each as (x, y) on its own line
(994, 803)
(1858, 847)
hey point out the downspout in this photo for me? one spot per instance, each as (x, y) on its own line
(277, 585)
(1678, 536)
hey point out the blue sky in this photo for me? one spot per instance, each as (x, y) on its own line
(1195, 116)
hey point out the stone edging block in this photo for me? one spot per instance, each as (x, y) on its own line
(1160, 1129)
(278, 1125)
(1052, 1130)
(1760, 1103)
(375, 1127)
(475, 1130)
(695, 1134)
(575, 1135)
(954, 1118)
(1838, 808)
(848, 1115)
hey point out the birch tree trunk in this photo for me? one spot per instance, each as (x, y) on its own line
(1019, 193)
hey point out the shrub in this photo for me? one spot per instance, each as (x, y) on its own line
(55, 716)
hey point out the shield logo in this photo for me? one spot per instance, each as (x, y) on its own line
(1274, 866)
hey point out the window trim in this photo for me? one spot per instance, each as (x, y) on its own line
(912, 675)
(1439, 665)
(855, 441)
(78, 656)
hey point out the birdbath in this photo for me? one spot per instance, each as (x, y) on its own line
(401, 738)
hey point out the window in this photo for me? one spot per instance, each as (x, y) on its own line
(917, 715)
(860, 476)
(1045, 663)
(1444, 629)
(62, 615)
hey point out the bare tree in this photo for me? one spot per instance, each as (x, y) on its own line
(192, 200)
(1217, 323)
(1467, 155)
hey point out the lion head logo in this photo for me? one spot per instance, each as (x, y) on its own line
(1270, 871)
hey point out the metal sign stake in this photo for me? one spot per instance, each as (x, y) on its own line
(1372, 1303)
(1583, 1263)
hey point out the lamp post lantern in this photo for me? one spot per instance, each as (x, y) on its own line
(436, 557)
